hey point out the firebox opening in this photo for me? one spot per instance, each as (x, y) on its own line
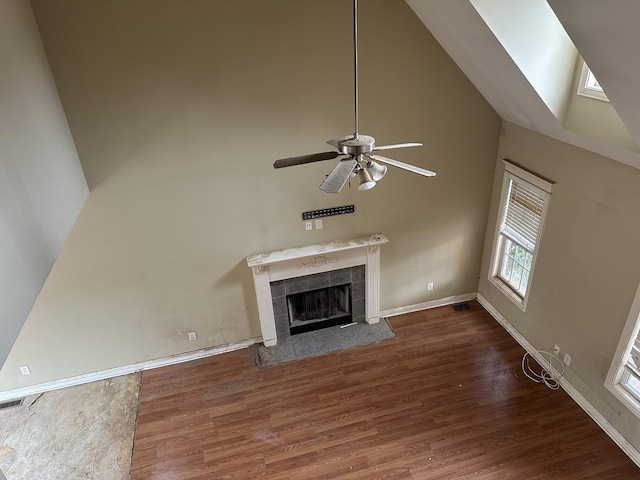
(322, 308)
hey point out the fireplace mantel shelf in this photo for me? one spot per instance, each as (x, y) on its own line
(263, 259)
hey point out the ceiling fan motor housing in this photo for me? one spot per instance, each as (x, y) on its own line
(358, 145)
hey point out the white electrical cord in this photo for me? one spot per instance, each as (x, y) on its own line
(549, 378)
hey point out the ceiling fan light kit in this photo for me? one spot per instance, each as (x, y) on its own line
(366, 182)
(376, 170)
(357, 150)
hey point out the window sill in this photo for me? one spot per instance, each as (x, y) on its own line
(520, 302)
(594, 94)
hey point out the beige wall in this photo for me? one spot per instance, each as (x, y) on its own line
(599, 120)
(179, 109)
(587, 270)
(41, 184)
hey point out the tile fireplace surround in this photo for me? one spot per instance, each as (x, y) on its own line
(319, 258)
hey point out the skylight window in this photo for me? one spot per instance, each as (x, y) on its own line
(589, 85)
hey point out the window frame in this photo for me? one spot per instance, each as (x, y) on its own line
(618, 369)
(586, 87)
(539, 186)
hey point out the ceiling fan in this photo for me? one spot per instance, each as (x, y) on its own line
(358, 151)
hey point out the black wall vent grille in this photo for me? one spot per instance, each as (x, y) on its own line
(460, 307)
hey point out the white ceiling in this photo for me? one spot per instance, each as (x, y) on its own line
(607, 38)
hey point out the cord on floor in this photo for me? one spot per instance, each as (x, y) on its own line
(549, 378)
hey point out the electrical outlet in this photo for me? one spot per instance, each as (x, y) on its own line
(308, 225)
(556, 349)
(430, 286)
(192, 336)
(567, 359)
(318, 223)
(25, 370)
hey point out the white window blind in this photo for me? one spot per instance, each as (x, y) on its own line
(524, 208)
(631, 378)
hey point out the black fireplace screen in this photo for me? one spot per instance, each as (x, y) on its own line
(316, 309)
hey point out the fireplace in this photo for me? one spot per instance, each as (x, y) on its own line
(321, 308)
(341, 291)
(352, 266)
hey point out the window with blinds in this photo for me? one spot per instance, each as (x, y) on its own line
(524, 202)
(631, 375)
(623, 379)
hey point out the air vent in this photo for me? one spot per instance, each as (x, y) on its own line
(460, 307)
(11, 403)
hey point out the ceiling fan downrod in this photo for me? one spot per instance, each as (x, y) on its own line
(355, 67)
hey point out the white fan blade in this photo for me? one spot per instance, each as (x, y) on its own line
(406, 166)
(338, 176)
(397, 145)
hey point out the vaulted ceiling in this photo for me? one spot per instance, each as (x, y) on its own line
(523, 57)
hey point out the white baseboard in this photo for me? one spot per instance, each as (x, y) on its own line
(597, 417)
(465, 297)
(126, 370)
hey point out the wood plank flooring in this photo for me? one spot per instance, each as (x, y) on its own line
(444, 400)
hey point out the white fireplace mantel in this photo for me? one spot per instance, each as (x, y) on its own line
(322, 257)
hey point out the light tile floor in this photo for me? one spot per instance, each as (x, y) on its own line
(81, 432)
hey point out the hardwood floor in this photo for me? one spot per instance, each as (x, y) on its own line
(444, 400)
